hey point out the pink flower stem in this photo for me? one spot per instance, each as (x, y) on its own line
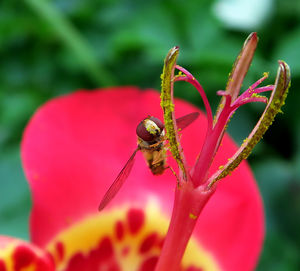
(188, 205)
(188, 77)
(210, 147)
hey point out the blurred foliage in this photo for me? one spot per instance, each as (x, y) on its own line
(50, 48)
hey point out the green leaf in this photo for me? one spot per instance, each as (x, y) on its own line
(14, 196)
(72, 40)
(288, 47)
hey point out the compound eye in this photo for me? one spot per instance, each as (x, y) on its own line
(158, 122)
(149, 129)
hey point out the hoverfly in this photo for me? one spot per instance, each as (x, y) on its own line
(151, 142)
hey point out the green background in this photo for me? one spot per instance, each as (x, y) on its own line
(49, 48)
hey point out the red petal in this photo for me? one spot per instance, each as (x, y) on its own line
(75, 146)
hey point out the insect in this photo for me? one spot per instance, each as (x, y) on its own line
(151, 142)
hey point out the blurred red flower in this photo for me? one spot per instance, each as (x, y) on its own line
(72, 150)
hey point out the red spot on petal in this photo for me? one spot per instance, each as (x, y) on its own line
(193, 268)
(105, 249)
(149, 264)
(100, 258)
(22, 257)
(119, 228)
(2, 266)
(125, 251)
(135, 219)
(77, 263)
(60, 250)
(93, 259)
(114, 267)
(43, 264)
(109, 265)
(148, 243)
(161, 243)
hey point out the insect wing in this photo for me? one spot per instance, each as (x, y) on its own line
(186, 120)
(118, 182)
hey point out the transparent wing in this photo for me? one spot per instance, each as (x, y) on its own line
(118, 182)
(186, 120)
(182, 123)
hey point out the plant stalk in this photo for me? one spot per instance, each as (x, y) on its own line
(189, 202)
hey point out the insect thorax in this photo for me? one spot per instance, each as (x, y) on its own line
(155, 145)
